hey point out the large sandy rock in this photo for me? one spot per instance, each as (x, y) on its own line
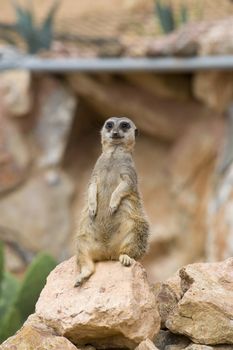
(182, 42)
(214, 88)
(168, 294)
(15, 88)
(162, 85)
(191, 165)
(218, 40)
(146, 345)
(220, 213)
(54, 118)
(36, 336)
(37, 216)
(111, 96)
(114, 308)
(208, 347)
(205, 311)
(14, 155)
(165, 340)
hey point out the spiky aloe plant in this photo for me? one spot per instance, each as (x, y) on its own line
(18, 298)
(36, 37)
(167, 17)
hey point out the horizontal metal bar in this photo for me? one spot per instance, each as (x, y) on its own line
(167, 64)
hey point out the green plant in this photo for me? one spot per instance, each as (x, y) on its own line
(36, 37)
(167, 17)
(18, 298)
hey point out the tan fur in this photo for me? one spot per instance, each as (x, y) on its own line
(113, 224)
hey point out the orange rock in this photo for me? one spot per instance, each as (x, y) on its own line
(205, 310)
(114, 308)
(35, 336)
(146, 345)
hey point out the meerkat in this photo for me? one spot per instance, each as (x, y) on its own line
(113, 225)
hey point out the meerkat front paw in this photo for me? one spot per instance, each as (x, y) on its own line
(125, 260)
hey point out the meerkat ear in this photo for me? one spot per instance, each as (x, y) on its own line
(136, 132)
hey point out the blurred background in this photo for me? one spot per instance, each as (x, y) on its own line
(50, 123)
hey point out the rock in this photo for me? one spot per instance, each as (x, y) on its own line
(162, 85)
(214, 88)
(169, 293)
(165, 339)
(183, 42)
(219, 207)
(146, 345)
(35, 336)
(205, 311)
(218, 40)
(114, 308)
(192, 162)
(219, 217)
(37, 216)
(15, 87)
(14, 261)
(116, 97)
(207, 347)
(55, 113)
(14, 155)
(192, 152)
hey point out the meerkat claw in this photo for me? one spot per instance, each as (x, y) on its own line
(125, 260)
(112, 210)
(78, 283)
(92, 213)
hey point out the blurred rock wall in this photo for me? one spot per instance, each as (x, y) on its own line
(49, 142)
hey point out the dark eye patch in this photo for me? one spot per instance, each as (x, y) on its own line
(109, 125)
(125, 126)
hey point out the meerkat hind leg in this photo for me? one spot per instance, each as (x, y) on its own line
(125, 260)
(87, 268)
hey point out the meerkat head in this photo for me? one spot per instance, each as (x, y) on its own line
(118, 131)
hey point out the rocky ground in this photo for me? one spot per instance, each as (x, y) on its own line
(118, 308)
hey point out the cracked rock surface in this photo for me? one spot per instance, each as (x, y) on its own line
(205, 311)
(114, 308)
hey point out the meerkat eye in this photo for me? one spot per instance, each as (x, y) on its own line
(109, 125)
(125, 126)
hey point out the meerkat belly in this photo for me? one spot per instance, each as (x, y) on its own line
(108, 182)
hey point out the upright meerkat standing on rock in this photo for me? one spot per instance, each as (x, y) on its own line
(113, 224)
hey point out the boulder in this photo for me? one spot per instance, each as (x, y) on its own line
(165, 340)
(219, 214)
(146, 345)
(195, 150)
(168, 294)
(192, 162)
(219, 217)
(214, 88)
(193, 346)
(14, 155)
(36, 336)
(37, 216)
(15, 88)
(54, 117)
(218, 40)
(172, 86)
(114, 308)
(182, 42)
(205, 310)
(114, 96)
